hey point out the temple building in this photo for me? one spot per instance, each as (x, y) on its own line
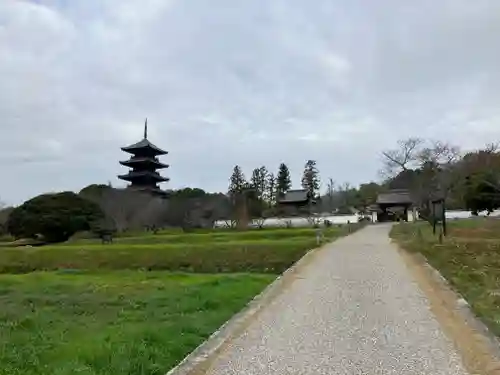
(296, 202)
(393, 205)
(144, 163)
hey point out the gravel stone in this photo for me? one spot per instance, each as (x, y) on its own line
(355, 309)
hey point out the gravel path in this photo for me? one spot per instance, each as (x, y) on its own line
(354, 310)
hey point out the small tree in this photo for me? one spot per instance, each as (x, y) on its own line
(259, 181)
(310, 178)
(54, 216)
(4, 217)
(330, 191)
(313, 219)
(367, 195)
(270, 193)
(481, 194)
(283, 180)
(237, 189)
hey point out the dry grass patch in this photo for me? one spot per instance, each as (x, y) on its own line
(471, 266)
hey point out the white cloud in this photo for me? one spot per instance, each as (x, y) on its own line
(250, 82)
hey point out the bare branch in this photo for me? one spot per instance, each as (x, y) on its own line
(492, 147)
(440, 154)
(401, 158)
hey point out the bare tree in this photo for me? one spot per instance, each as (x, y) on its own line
(439, 153)
(127, 208)
(330, 190)
(224, 210)
(345, 194)
(492, 147)
(437, 172)
(152, 215)
(4, 217)
(314, 220)
(402, 158)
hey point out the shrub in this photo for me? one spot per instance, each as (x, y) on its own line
(54, 216)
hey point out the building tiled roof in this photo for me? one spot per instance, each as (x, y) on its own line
(144, 160)
(144, 144)
(293, 196)
(133, 175)
(395, 196)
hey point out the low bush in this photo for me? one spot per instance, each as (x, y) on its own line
(258, 256)
(54, 216)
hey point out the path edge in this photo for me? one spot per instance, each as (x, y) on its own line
(462, 307)
(231, 328)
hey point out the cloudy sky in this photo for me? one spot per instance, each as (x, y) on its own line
(248, 82)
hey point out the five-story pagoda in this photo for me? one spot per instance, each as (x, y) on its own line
(144, 163)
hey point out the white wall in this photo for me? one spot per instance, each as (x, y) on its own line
(467, 214)
(298, 221)
(343, 219)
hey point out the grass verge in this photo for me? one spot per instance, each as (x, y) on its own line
(471, 264)
(123, 322)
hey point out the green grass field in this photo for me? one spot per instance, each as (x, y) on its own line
(265, 251)
(219, 235)
(125, 322)
(86, 308)
(469, 258)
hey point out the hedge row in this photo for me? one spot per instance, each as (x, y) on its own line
(260, 256)
(216, 236)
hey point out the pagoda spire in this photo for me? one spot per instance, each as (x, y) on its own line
(146, 129)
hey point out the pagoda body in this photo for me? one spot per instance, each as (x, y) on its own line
(144, 163)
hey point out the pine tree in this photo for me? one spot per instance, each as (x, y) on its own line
(259, 181)
(237, 181)
(310, 178)
(283, 181)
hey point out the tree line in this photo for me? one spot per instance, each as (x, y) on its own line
(269, 186)
(434, 169)
(258, 196)
(428, 168)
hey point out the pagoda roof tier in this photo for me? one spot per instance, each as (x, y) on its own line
(144, 145)
(142, 175)
(154, 190)
(139, 160)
